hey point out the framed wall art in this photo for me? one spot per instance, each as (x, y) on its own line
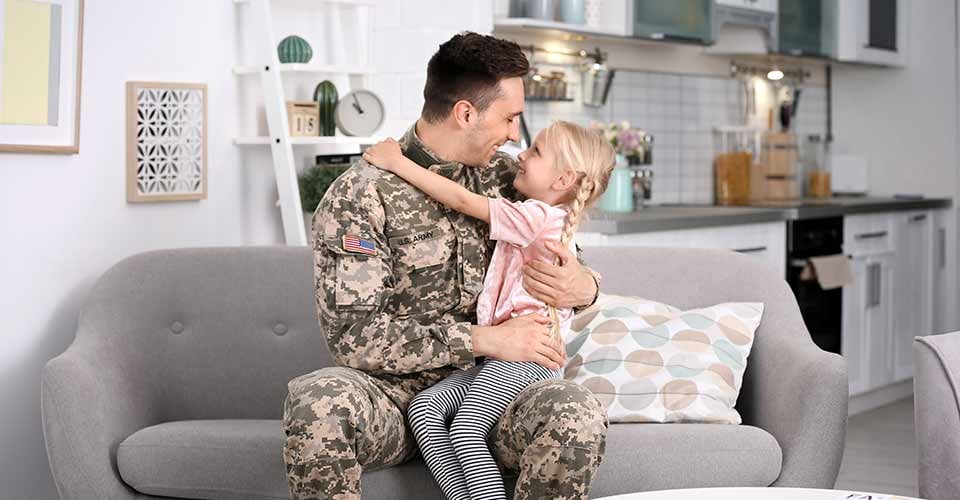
(41, 43)
(166, 141)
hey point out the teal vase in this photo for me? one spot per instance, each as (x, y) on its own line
(326, 96)
(619, 194)
(294, 49)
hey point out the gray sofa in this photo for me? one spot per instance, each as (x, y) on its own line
(174, 384)
(936, 361)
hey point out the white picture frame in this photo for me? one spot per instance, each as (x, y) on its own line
(58, 26)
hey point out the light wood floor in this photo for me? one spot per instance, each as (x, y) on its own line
(880, 455)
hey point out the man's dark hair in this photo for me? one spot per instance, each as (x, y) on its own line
(469, 67)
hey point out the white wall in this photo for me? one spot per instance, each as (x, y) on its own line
(904, 121)
(65, 219)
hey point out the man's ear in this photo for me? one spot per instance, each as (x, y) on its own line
(464, 114)
(567, 180)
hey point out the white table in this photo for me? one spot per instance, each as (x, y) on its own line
(752, 494)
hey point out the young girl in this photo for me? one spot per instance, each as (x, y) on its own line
(562, 173)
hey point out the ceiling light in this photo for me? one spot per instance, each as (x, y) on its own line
(775, 74)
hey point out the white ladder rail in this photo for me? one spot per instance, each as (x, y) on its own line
(284, 169)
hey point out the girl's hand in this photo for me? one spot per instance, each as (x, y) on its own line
(385, 154)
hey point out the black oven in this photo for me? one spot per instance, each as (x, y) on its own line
(821, 309)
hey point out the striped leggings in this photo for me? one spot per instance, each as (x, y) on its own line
(451, 421)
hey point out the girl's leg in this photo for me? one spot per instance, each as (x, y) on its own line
(491, 392)
(430, 414)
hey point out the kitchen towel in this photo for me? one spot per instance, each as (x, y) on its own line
(832, 271)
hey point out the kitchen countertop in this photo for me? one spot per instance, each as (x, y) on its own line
(670, 217)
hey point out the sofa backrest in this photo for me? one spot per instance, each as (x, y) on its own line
(218, 332)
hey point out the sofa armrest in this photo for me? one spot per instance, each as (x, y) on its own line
(937, 414)
(93, 396)
(799, 394)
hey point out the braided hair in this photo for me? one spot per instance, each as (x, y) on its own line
(588, 154)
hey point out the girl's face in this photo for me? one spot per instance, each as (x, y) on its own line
(538, 177)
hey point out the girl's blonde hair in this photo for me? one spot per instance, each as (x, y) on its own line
(587, 153)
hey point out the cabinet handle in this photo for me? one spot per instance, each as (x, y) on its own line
(918, 218)
(867, 236)
(942, 236)
(873, 288)
(750, 249)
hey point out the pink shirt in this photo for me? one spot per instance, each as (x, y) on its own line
(520, 229)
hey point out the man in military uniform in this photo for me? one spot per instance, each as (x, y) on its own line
(397, 278)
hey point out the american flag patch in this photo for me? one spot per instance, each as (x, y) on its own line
(354, 244)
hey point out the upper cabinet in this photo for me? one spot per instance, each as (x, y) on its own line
(764, 5)
(872, 31)
(860, 31)
(857, 31)
(677, 20)
(807, 27)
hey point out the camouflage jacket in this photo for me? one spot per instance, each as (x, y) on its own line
(406, 306)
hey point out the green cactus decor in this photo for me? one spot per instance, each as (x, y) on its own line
(294, 49)
(326, 95)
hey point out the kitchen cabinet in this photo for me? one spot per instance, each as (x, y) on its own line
(896, 259)
(878, 319)
(807, 28)
(509, 18)
(867, 323)
(868, 302)
(764, 5)
(676, 20)
(943, 273)
(913, 310)
(765, 241)
(853, 344)
(871, 31)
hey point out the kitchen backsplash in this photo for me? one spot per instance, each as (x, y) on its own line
(680, 111)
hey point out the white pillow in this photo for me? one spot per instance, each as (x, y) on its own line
(651, 362)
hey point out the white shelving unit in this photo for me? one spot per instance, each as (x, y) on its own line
(266, 64)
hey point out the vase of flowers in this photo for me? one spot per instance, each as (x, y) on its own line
(629, 143)
(626, 140)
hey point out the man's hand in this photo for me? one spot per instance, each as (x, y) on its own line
(524, 338)
(385, 154)
(566, 285)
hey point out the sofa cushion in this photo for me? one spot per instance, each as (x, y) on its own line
(241, 460)
(237, 460)
(652, 362)
(644, 457)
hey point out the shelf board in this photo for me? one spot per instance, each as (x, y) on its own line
(337, 140)
(307, 68)
(513, 23)
(314, 3)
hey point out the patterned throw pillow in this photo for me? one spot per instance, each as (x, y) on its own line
(651, 362)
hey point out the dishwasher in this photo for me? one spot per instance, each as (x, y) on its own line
(822, 310)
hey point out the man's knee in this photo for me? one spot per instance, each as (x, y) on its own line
(321, 413)
(565, 414)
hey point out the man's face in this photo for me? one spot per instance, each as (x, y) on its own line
(499, 123)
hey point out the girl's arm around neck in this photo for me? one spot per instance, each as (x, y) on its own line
(387, 156)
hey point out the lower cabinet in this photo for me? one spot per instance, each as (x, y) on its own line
(867, 343)
(913, 302)
(765, 241)
(900, 291)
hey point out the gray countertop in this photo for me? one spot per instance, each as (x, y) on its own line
(669, 217)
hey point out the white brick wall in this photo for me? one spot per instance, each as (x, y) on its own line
(680, 110)
(406, 34)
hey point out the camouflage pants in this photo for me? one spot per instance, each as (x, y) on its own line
(339, 421)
